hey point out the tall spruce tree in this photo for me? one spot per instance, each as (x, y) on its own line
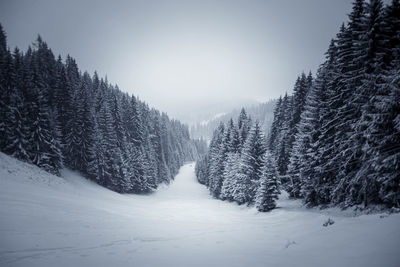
(268, 190)
(252, 161)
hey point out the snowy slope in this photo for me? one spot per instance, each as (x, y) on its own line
(51, 221)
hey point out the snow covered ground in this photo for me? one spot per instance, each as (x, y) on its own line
(51, 221)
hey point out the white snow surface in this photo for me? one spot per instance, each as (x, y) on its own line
(47, 220)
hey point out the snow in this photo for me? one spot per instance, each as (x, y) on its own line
(69, 221)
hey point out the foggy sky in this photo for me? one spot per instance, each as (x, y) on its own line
(184, 57)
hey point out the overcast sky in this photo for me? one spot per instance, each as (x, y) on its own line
(184, 57)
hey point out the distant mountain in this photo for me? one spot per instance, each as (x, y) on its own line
(263, 112)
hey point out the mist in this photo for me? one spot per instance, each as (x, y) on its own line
(190, 59)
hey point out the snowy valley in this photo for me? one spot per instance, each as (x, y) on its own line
(47, 220)
(240, 133)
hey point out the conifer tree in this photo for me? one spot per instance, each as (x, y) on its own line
(202, 170)
(268, 190)
(252, 160)
(275, 127)
(244, 124)
(230, 173)
(5, 86)
(18, 132)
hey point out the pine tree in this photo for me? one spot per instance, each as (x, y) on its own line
(242, 188)
(281, 146)
(87, 151)
(362, 184)
(304, 151)
(62, 101)
(275, 127)
(350, 64)
(244, 125)
(230, 173)
(378, 178)
(136, 171)
(44, 151)
(318, 189)
(268, 189)
(73, 141)
(202, 170)
(15, 128)
(310, 131)
(134, 124)
(6, 76)
(252, 162)
(300, 91)
(391, 27)
(17, 133)
(216, 170)
(221, 157)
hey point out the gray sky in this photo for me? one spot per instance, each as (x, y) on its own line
(187, 58)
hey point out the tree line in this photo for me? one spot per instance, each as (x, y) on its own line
(336, 139)
(263, 113)
(53, 115)
(238, 167)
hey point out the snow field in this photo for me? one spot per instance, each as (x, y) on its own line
(69, 221)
